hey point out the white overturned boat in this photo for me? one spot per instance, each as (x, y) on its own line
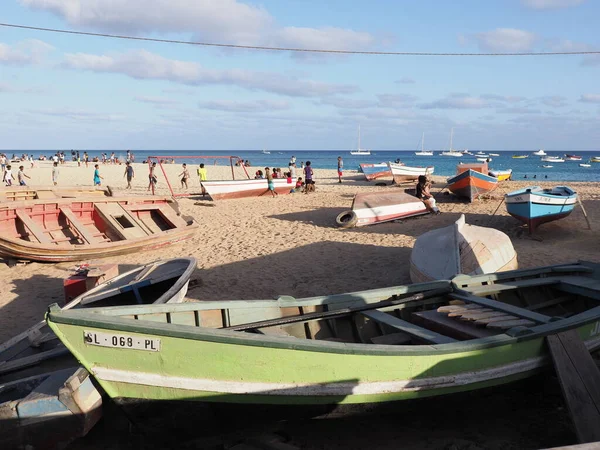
(158, 282)
(460, 249)
(402, 173)
(378, 207)
(221, 190)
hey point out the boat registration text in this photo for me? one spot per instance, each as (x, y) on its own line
(121, 341)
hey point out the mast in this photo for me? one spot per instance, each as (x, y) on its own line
(451, 133)
(359, 138)
(422, 141)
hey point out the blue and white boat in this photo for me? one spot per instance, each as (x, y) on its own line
(535, 205)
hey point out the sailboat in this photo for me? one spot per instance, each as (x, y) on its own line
(451, 152)
(359, 151)
(265, 152)
(423, 152)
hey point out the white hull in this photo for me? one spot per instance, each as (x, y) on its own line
(378, 207)
(540, 153)
(455, 154)
(424, 153)
(585, 165)
(406, 173)
(367, 153)
(553, 159)
(219, 190)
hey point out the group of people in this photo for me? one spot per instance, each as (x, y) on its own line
(8, 178)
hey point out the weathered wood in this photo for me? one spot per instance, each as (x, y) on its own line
(510, 285)
(506, 324)
(580, 382)
(487, 314)
(590, 290)
(450, 327)
(79, 227)
(406, 327)
(554, 301)
(35, 230)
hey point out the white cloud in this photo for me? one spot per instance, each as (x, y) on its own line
(249, 106)
(348, 103)
(555, 101)
(142, 64)
(551, 4)
(78, 114)
(457, 101)
(590, 98)
(396, 100)
(503, 40)
(503, 98)
(154, 100)
(518, 110)
(30, 51)
(228, 21)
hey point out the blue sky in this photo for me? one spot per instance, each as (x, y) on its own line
(62, 91)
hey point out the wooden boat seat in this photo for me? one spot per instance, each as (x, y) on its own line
(509, 285)
(121, 221)
(449, 326)
(41, 194)
(34, 229)
(409, 328)
(588, 287)
(79, 227)
(164, 210)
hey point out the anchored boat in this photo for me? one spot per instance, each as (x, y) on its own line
(86, 228)
(472, 181)
(460, 249)
(380, 345)
(535, 205)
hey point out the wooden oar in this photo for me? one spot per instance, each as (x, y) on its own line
(338, 312)
(584, 213)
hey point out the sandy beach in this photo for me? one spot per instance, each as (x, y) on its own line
(259, 248)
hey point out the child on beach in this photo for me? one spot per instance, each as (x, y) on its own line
(55, 173)
(309, 184)
(270, 183)
(21, 176)
(340, 168)
(129, 174)
(184, 176)
(97, 176)
(151, 177)
(8, 177)
(424, 194)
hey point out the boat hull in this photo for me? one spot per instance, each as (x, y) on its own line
(379, 207)
(223, 190)
(534, 207)
(374, 171)
(501, 175)
(402, 174)
(471, 184)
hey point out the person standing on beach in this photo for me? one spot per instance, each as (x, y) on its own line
(270, 182)
(151, 176)
(308, 178)
(2, 162)
(202, 177)
(21, 176)
(340, 168)
(78, 159)
(8, 177)
(97, 176)
(55, 173)
(86, 158)
(129, 174)
(185, 175)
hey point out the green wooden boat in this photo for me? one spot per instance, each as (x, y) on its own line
(373, 346)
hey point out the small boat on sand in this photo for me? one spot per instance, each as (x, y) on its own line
(159, 282)
(87, 228)
(402, 173)
(223, 190)
(472, 181)
(535, 205)
(377, 207)
(460, 249)
(501, 175)
(19, 193)
(375, 346)
(374, 171)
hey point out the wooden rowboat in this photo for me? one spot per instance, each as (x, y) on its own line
(48, 410)
(87, 228)
(472, 181)
(378, 207)
(402, 173)
(19, 193)
(374, 171)
(460, 248)
(381, 345)
(159, 282)
(222, 190)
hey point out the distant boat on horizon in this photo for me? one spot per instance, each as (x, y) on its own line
(359, 151)
(423, 152)
(520, 156)
(540, 152)
(451, 152)
(265, 152)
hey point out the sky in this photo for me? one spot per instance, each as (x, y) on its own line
(62, 91)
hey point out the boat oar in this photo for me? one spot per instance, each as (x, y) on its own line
(584, 213)
(395, 300)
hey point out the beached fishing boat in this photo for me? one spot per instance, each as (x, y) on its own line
(87, 228)
(18, 193)
(159, 282)
(377, 207)
(535, 206)
(554, 159)
(472, 181)
(223, 190)
(573, 157)
(451, 336)
(402, 173)
(540, 152)
(460, 249)
(520, 156)
(374, 171)
(48, 410)
(501, 175)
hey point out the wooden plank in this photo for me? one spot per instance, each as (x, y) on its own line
(451, 327)
(554, 301)
(487, 314)
(109, 211)
(164, 209)
(35, 230)
(580, 382)
(499, 306)
(510, 285)
(589, 290)
(391, 339)
(506, 324)
(407, 327)
(80, 228)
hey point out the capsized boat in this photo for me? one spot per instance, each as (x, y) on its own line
(377, 207)
(159, 282)
(87, 228)
(460, 249)
(48, 410)
(355, 348)
(501, 175)
(535, 205)
(402, 173)
(472, 181)
(374, 171)
(223, 190)
(19, 193)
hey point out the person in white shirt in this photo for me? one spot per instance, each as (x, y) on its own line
(8, 177)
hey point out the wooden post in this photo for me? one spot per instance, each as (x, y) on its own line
(584, 213)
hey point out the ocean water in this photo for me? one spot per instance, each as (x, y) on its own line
(444, 165)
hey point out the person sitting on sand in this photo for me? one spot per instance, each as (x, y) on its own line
(424, 194)
(97, 176)
(258, 175)
(270, 183)
(21, 176)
